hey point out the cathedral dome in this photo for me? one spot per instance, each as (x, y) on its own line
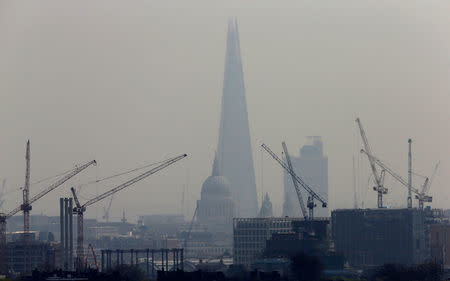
(216, 186)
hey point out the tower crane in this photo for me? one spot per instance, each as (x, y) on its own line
(422, 196)
(26, 208)
(2, 193)
(397, 177)
(409, 200)
(312, 195)
(107, 208)
(379, 178)
(80, 209)
(297, 188)
(5, 216)
(188, 236)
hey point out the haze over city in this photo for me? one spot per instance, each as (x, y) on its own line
(134, 83)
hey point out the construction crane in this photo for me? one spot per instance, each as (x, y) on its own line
(422, 196)
(409, 200)
(188, 236)
(4, 217)
(2, 193)
(297, 188)
(379, 178)
(91, 250)
(80, 209)
(392, 173)
(26, 208)
(312, 195)
(107, 208)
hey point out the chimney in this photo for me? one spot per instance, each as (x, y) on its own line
(66, 234)
(70, 234)
(61, 224)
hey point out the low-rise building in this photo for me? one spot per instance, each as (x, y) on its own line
(39, 255)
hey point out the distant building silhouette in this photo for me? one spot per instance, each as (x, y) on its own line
(312, 167)
(234, 151)
(266, 208)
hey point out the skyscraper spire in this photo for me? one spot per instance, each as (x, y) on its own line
(216, 171)
(234, 151)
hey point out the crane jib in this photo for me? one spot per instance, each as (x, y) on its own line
(134, 180)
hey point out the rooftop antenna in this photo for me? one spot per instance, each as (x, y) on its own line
(355, 200)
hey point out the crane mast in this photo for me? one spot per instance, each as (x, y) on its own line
(26, 208)
(2, 193)
(379, 188)
(409, 202)
(80, 209)
(297, 188)
(312, 194)
(188, 237)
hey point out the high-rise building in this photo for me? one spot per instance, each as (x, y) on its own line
(312, 167)
(234, 151)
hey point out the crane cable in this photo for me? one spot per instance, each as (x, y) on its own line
(126, 172)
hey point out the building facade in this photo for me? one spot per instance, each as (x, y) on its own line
(373, 237)
(234, 148)
(312, 167)
(440, 243)
(251, 234)
(43, 256)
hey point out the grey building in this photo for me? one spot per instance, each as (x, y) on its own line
(234, 149)
(372, 237)
(251, 234)
(312, 167)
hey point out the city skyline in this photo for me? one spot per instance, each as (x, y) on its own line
(148, 84)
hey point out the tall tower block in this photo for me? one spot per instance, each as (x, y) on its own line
(235, 152)
(312, 167)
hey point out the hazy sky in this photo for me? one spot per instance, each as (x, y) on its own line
(133, 82)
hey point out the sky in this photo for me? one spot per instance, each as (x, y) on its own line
(130, 83)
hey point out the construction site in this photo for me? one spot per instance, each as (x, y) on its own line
(29, 251)
(374, 237)
(121, 83)
(364, 238)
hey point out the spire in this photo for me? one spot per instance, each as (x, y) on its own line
(234, 148)
(216, 171)
(266, 208)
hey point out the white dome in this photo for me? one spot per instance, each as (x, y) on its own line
(216, 186)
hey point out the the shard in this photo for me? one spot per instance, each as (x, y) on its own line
(234, 149)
